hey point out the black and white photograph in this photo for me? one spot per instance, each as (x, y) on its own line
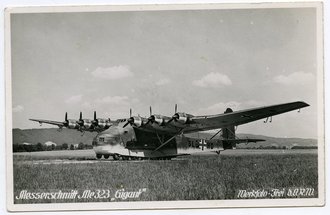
(164, 106)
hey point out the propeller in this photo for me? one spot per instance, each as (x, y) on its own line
(95, 122)
(176, 116)
(66, 121)
(130, 120)
(151, 118)
(102, 123)
(80, 122)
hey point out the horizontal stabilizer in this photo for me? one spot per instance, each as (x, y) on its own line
(248, 140)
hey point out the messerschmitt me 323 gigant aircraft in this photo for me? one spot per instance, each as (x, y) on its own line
(163, 137)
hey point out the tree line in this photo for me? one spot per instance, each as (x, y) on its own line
(42, 147)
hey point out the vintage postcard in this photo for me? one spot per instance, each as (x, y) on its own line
(164, 106)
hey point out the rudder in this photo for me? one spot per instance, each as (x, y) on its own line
(228, 133)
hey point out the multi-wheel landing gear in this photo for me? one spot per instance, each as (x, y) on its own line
(126, 158)
(99, 156)
(116, 157)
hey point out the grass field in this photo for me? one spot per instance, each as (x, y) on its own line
(199, 177)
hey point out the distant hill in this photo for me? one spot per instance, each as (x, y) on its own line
(70, 136)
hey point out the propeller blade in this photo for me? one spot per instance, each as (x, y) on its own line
(175, 117)
(66, 121)
(95, 122)
(80, 122)
(150, 119)
(129, 120)
(170, 120)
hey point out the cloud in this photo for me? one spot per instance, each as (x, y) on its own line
(252, 104)
(213, 79)
(219, 108)
(18, 109)
(135, 100)
(87, 105)
(112, 73)
(162, 82)
(74, 99)
(115, 100)
(296, 78)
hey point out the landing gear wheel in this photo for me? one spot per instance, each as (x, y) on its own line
(106, 156)
(115, 157)
(98, 156)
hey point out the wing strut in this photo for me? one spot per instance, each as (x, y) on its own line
(215, 134)
(161, 141)
(169, 140)
(271, 119)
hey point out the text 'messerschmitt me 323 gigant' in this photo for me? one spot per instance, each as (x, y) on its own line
(162, 137)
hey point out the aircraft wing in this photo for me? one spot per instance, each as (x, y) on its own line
(59, 124)
(247, 140)
(241, 117)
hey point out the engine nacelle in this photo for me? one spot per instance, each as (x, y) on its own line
(87, 123)
(159, 119)
(108, 124)
(72, 123)
(137, 121)
(182, 118)
(103, 123)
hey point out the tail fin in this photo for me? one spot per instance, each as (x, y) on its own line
(66, 116)
(228, 133)
(94, 115)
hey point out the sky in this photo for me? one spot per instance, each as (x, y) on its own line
(202, 60)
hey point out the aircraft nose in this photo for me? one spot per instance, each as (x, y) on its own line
(106, 139)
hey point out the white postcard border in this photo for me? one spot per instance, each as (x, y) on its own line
(320, 201)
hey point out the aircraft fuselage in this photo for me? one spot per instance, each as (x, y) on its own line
(134, 143)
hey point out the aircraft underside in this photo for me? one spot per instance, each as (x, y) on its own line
(126, 154)
(180, 146)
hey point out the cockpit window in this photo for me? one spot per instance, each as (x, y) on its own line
(110, 136)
